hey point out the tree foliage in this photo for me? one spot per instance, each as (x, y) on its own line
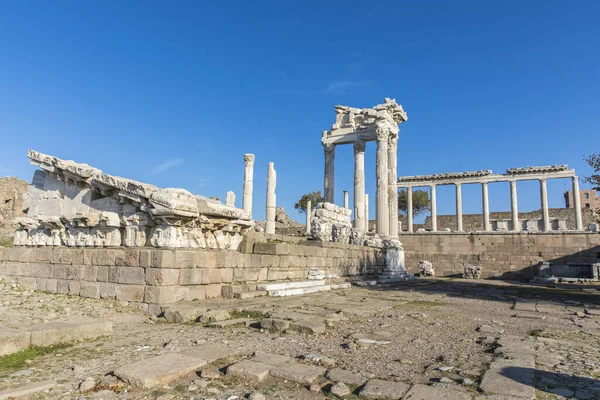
(594, 179)
(420, 202)
(313, 197)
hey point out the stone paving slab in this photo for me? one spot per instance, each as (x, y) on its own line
(53, 333)
(231, 322)
(511, 377)
(271, 359)
(211, 352)
(377, 389)
(424, 392)
(158, 371)
(300, 373)
(342, 375)
(13, 340)
(27, 390)
(250, 370)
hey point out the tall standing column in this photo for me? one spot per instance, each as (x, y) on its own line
(486, 206)
(248, 183)
(544, 200)
(346, 202)
(392, 187)
(514, 208)
(271, 200)
(366, 212)
(329, 171)
(459, 217)
(359, 186)
(383, 226)
(308, 215)
(409, 209)
(577, 204)
(433, 196)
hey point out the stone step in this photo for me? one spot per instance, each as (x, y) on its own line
(249, 295)
(232, 322)
(288, 285)
(52, 333)
(299, 291)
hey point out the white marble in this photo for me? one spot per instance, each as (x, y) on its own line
(271, 199)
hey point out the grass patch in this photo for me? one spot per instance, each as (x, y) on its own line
(424, 303)
(15, 361)
(252, 314)
(539, 333)
(6, 242)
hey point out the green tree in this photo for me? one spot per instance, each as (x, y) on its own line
(420, 202)
(594, 179)
(313, 197)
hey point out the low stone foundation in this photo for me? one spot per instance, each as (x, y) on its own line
(150, 276)
(505, 255)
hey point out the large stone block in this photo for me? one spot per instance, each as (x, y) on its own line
(185, 259)
(104, 257)
(272, 248)
(163, 276)
(108, 290)
(13, 340)
(162, 259)
(164, 294)
(127, 258)
(90, 272)
(90, 289)
(130, 293)
(53, 333)
(213, 290)
(39, 270)
(131, 275)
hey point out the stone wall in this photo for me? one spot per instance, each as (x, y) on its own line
(11, 203)
(504, 255)
(148, 277)
(474, 222)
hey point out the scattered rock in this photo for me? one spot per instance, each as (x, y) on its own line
(446, 369)
(87, 385)
(426, 268)
(319, 359)
(340, 389)
(210, 373)
(468, 382)
(444, 379)
(473, 272)
(256, 396)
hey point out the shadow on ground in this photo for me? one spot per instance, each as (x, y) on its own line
(568, 386)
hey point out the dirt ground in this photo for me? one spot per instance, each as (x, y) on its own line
(418, 328)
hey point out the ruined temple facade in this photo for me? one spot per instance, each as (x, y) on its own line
(76, 205)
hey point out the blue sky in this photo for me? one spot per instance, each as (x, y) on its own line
(174, 93)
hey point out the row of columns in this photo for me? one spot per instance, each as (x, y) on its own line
(386, 176)
(486, 207)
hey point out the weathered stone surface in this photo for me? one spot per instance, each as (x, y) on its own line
(249, 370)
(377, 389)
(274, 323)
(310, 326)
(423, 392)
(27, 390)
(271, 358)
(52, 333)
(510, 377)
(342, 375)
(473, 272)
(303, 374)
(212, 352)
(426, 268)
(13, 340)
(340, 390)
(158, 371)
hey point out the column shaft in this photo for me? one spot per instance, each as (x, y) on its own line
(271, 200)
(514, 208)
(359, 186)
(433, 200)
(392, 187)
(366, 212)
(308, 215)
(248, 183)
(409, 209)
(577, 204)
(329, 172)
(544, 200)
(459, 216)
(486, 207)
(346, 203)
(383, 227)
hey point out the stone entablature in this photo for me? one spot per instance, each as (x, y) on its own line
(73, 204)
(484, 177)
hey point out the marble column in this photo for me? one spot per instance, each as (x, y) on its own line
(392, 187)
(409, 209)
(486, 206)
(577, 204)
(381, 210)
(329, 172)
(459, 217)
(544, 200)
(433, 200)
(514, 207)
(308, 215)
(366, 212)
(248, 183)
(346, 202)
(359, 186)
(271, 200)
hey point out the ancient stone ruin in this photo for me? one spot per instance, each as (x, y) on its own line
(75, 205)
